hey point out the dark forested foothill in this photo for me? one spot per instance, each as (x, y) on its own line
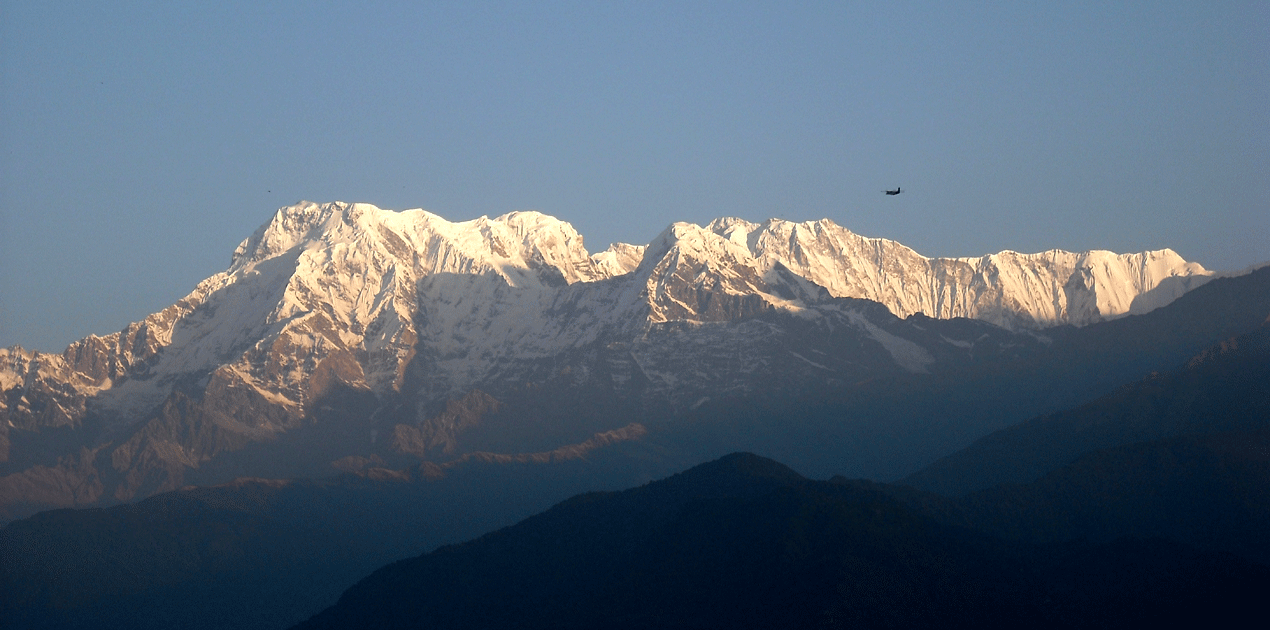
(745, 542)
(255, 553)
(1223, 389)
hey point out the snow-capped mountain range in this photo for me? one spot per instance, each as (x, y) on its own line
(320, 280)
(413, 310)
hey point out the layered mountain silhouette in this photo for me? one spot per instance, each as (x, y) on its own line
(1154, 512)
(1223, 390)
(746, 542)
(1166, 521)
(255, 553)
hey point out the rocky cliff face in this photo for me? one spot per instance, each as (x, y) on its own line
(338, 320)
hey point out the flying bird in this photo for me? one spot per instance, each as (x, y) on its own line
(897, 191)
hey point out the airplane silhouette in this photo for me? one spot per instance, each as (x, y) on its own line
(897, 191)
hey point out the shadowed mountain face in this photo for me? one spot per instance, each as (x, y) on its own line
(1183, 455)
(886, 427)
(1223, 389)
(745, 542)
(1208, 491)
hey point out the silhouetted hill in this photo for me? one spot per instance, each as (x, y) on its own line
(1225, 388)
(743, 542)
(1183, 456)
(255, 553)
(1205, 490)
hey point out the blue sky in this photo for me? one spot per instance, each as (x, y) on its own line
(140, 143)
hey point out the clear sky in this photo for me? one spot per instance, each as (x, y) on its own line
(140, 143)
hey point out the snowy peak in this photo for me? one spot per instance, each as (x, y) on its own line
(619, 259)
(1009, 289)
(734, 229)
(322, 292)
(695, 242)
(509, 245)
(694, 274)
(1057, 287)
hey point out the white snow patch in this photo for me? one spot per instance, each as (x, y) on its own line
(905, 353)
